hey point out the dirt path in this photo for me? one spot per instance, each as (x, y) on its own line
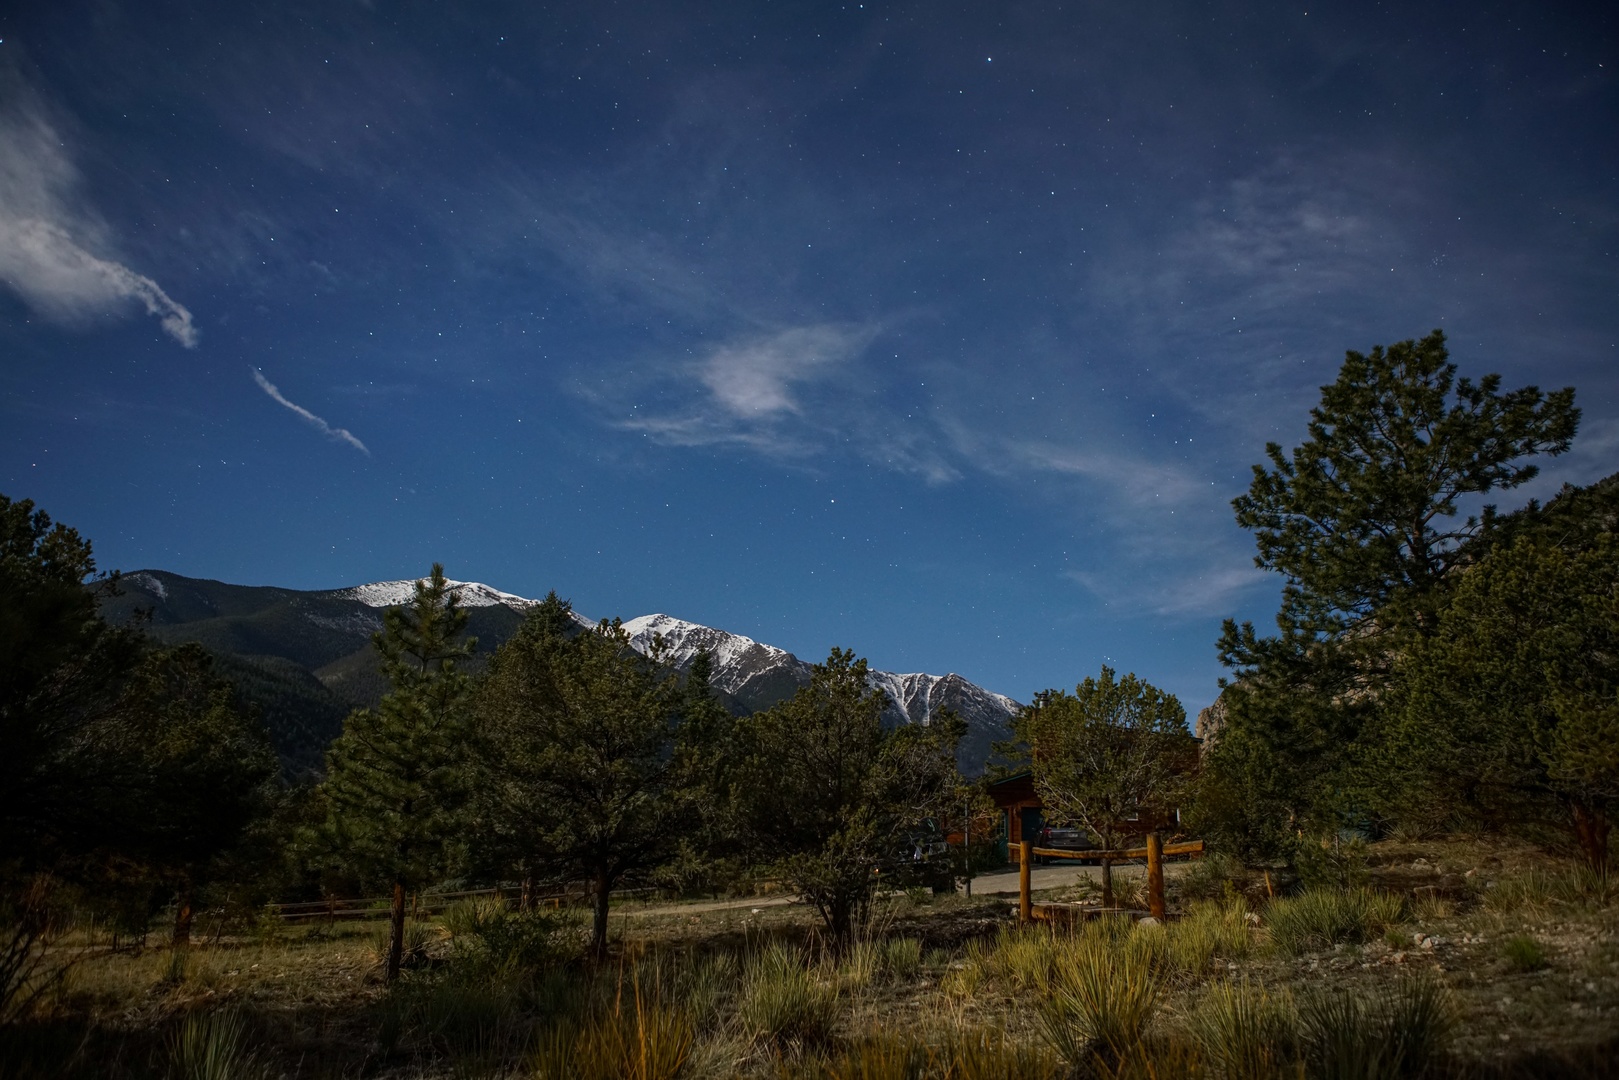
(999, 884)
(697, 907)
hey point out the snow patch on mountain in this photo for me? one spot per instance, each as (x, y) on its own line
(382, 594)
(919, 695)
(759, 675)
(737, 660)
(148, 582)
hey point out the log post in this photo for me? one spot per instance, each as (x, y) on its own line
(1155, 876)
(1025, 857)
(396, 932)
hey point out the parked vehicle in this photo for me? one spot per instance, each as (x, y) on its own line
(1063, 838)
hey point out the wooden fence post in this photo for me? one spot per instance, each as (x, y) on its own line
(1025, 856)
(1155, 876)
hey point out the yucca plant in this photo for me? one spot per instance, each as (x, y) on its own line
(417, 937)
(1400, 1032)
(704, 984)
(212, 1046)
(1243, 1032)
(1099, 1002)
(1419, 1018)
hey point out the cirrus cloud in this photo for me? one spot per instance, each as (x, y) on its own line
(42, 258)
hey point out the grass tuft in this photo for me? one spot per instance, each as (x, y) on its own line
(901, 957)
(1320, 918)
(636, 1041)
(1523, 953)
(783, 1002)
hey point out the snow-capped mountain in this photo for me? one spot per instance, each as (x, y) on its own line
(327, 634)
(759, 675)
(756, 675)
(385, 594)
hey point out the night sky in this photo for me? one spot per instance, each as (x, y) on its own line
(945, 332)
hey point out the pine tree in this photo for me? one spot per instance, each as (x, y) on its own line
(394, 779)
(1364, 521)
(831, 798)
(61, 672)
(588, 768)
(1509, 714)
(205, 771)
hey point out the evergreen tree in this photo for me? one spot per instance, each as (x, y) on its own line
(205, 772)
(588, 768)
(830, 798)
(1112, 757)
(1510, 713)
(394, 778)
(61, 672)
(1364, 521)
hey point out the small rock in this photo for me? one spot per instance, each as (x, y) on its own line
(1399, 958)
(1148, 921)
(1253, 918)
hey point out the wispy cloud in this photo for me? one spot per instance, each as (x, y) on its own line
(42, 258)
(340, 434)
(1164, 526)
(1199, 591)
(755, 380)
(790, 394)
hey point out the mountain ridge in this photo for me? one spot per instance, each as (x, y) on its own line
(327, 633)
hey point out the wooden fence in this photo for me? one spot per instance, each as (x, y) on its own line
(1154, 853)
(341, 909)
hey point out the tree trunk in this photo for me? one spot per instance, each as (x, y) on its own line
(1591, 829)
(182, 917)
(527, 902)
(396, 932)
(598, 937)
(1107, 882)
(840, 923)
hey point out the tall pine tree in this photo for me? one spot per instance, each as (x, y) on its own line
(1366, 520)
(395, 777)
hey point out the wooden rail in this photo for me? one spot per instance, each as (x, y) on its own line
(1185, 847)
(1154, 853)
(335, 909)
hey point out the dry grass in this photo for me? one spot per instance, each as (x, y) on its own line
(946, 989)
